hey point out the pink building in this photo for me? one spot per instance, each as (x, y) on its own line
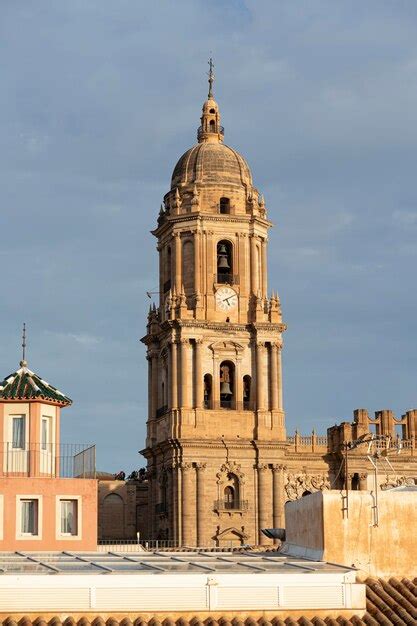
(48, 490)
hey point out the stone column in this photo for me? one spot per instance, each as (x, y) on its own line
(280, 401)
(264, 501)
(202, 507)
(215, 392)
(254, 270)
(185, 373)
(173, 376)
(274, 377)
(148, 358)
(264, 269)
(188, 510)
(197, 263)
(198, 382)
(154, 386)
(177, 265)
(260, 375)
(278, 498)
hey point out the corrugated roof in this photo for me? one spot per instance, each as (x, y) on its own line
(26, 385)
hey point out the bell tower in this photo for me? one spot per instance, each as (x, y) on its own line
(215, 418)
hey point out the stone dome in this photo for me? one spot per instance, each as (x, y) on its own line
(211, 162)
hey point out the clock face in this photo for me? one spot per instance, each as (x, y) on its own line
(226, 299)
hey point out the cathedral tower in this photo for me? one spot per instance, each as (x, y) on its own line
(216, 426)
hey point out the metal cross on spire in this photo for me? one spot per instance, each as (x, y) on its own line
(23, 361)
(211, 78)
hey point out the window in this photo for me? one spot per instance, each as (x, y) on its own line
(45, 432)
(207, 391)
(69, 517)
(224, 206)
(229, 498)
(18, 432)
(29, 517)
(247, 383)
(212, 126)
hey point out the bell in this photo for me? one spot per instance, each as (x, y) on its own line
(223, 263)
(225, 389)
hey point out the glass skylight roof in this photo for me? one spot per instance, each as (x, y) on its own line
(157, 563)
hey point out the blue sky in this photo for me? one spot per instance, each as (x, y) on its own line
(98, 100)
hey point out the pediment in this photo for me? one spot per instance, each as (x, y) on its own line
(231, 531)
(226, 347)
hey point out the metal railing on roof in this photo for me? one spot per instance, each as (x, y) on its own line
(48, 460)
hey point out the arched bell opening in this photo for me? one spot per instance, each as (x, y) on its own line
(227, 385)
(224, 206)
(225, 262)
(212, 126)
(208, 395)
(247, 385)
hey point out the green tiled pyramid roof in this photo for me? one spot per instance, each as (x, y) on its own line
(26, 385)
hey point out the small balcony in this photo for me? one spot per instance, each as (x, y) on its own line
(47, 460)
(226, 279)
(234, 505)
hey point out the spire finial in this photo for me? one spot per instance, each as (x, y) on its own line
(23, 362)
(211, 78)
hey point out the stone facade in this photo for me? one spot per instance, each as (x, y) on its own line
(219, 463)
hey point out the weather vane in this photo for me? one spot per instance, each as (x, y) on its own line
(24, 345)
(211, 78)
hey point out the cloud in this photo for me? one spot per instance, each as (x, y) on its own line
(97, 103)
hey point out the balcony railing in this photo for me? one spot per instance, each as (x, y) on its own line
(236, 505)
(201, 131)
(162, 410)
(224, 278)
(50, 460)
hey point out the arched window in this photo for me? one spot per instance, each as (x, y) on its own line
(355, 482)
(306, 493)
(208, 384)
(231, 495)
(229, 498)
(212, 126)
(247, 382)
(212, 110)
(224, 206)
(227, 385)
(112, 517)
(224, 262)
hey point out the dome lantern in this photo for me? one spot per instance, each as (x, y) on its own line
(210, 129)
